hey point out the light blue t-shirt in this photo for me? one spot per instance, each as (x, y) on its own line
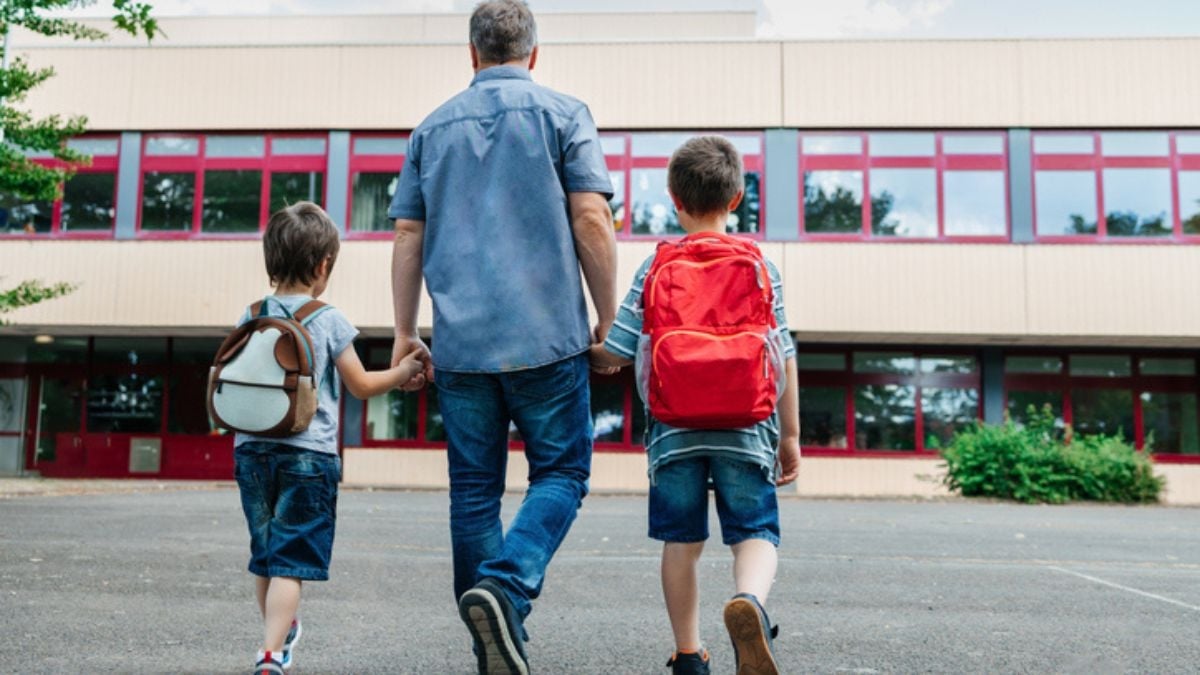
(489, 172)
(331, 334)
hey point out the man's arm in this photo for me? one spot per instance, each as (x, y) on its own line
(596, 246)
(406, 295)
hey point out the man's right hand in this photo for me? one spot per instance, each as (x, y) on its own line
(405, 345)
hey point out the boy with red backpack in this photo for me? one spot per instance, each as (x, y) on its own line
(704, 322)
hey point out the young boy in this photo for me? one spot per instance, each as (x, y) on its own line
(289, 485)
(744, 466)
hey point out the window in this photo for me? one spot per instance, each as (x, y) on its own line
(885, 400)
(904, 185)
(226, 184)
(375, 163)
(87, 205)
(641, 206)
(1116, 185)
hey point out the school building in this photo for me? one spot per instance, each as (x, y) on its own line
(964, 228)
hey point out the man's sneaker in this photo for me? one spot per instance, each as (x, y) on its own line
(268, 664)
(694, 663)
(289, 643)
(751, 634)
(496, 628)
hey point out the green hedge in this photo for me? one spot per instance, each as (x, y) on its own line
(1038, 462)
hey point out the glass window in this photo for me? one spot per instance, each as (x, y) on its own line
(884, 417)
(1137, 202)
(234, 146)
(129, 403)
(885, 362)
(1170, 422)
(744, 219)
(653, 212)
(1134, 144)
(904, 202)
(18, 216)
(63, 350)
(374, 145)
(393, 416)
(372, 195)
(945, 412)
(435, 429)
(130, 351)
(823, 417)
(297, 146)
(811, 361)
(973, 144)
(88, 202)
(1066, 202)
(608, 409)
(1155, 366)
(976, 203)
(232, 201)
(1102, 411)
(665, 144)
(1064, 144)
(169, 146)
(1187, 144)
(103, 147)
(833, 201)
(947, 364)
(287, 188)
(1189, 201)
(1033, 364)
(1021, 403)
(617, 202)
(60, 411)
(612, 145)
(1100, 365)
(187, 411)
(901, 145)
(831, 145)
(167, 200)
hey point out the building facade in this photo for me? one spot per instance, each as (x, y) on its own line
(964, 229)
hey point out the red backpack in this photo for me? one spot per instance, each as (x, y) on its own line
(710, 352)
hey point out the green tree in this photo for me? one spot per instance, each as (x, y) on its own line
(30, 293)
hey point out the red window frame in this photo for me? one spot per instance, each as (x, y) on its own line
(268, 163)
(1136, 383)
(99, 164)
(846, 380)
(1095, 162)
(939, 161)
(370, 164)
(625, 164)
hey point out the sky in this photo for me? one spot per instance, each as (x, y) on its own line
(805, 19)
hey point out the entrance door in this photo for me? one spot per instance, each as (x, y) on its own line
(58, 444)
(12, 425)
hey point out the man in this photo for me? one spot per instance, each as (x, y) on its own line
(502, 200)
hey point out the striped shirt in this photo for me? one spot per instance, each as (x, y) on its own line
(756, 444)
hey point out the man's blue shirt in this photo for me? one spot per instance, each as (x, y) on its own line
(489, 172)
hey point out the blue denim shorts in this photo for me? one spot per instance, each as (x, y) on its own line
(289, 496)
(746, 503)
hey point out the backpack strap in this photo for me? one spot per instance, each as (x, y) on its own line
(309, 311)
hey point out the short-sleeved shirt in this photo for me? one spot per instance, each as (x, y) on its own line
(756, 444)
(331, 334)
(489, 173)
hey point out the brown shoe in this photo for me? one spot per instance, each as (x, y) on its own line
(751, 634)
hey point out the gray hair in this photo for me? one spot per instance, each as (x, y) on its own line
(503, 31)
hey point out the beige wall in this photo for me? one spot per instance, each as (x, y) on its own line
(839, 292)
(642, 85)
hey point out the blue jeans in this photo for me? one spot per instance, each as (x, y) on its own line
(289, 496)
(746, 503)
(551, 408)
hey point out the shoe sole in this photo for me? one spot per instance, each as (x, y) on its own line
(750, 641)
(292, 648)
(482, 613)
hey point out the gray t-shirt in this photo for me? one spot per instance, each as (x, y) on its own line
(331, 334)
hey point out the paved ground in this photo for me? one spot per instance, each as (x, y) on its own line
(148, 578)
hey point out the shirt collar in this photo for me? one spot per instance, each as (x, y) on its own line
(502, 73)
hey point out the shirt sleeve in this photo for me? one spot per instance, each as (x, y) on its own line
(339, 332)
(623, 338)
(789, 349)
(408, 202)
(584, 168)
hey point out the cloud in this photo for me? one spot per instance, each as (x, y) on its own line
(846, 18)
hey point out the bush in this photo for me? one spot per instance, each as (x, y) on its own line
(1038, 462)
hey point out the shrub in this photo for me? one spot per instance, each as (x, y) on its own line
(1038, 462)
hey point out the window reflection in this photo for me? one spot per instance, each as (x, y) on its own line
(1102, 411)
(1137, 202)
(393, 416)
(948, 364)
(1134, 144)
(653, 212)
(945, 412)
(88, 202)
(823, 416)
(372, 195)
(608, 409)
(831, 145)
(885, 362)
(289, 188)
(975, 203)
(129, 403)
(1100, 365)
(884, 417)
(1022, 403)
(617, 202)
(744, 219)
(167, 200)
(904, 202)
(18, 216)
(833, 201)
(1066, 202)
(901, 144)
(1189, 201)
(1032, 364)
(1170, 422)
(231, 201)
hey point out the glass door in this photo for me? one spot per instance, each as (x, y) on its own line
(59, 420)
(12, 425)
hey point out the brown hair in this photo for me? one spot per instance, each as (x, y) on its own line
(297, 239)
(705, 174)
(503, 31)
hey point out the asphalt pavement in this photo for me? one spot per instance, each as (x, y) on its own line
(128, 578)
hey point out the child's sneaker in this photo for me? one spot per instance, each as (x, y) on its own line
(268, 664)
(751, 633)
(689, 663)
(289, 643)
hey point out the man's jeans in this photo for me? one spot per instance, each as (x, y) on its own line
(550, 406)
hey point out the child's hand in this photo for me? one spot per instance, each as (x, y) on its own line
(789, 460)
(600, 361)
(412, 370)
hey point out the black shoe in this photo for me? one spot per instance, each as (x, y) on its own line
(751, 633)
(695, 663)
(496, 628)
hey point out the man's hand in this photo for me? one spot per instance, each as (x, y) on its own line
(401, 348)
(789, 460)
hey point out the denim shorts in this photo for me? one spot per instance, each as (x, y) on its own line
(289, 496)
(746, 503)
